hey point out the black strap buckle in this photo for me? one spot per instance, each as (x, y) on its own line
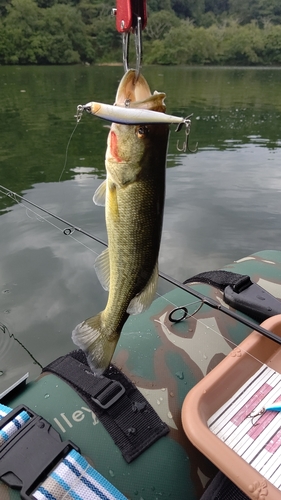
(109, 394)
(31, 453)
(124, 412)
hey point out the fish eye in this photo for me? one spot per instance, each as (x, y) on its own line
(141, 131)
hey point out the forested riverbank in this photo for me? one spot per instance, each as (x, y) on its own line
(221, 32)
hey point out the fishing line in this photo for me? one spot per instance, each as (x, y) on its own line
(206, 327)
(175, 305)
(38, 218)
(5, 330)
(201, 322)
(216, 305)
(201, 298)
(183, 308)
(206, 300)
(67, 231)
(72, 228)
(219, 334)
(67, 148)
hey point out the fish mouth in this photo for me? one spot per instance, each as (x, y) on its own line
(132, 89)
(134, 92)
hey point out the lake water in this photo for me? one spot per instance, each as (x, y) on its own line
(222, 203)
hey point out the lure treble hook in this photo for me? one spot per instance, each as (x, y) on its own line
(187, 123)
(256, 415)
(275, 406)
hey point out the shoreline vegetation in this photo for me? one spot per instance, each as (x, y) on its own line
(192, 32)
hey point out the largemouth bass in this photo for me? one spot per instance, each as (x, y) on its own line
(133, 194)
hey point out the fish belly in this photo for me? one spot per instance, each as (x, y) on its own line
(134, 223)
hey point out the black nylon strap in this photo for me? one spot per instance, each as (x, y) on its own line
(241, 293)
(222, 279)
(128, 417)
(221, 488)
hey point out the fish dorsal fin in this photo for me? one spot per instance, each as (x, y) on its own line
(102, 268)
(154, 102)
(99, 196)
(143, 300)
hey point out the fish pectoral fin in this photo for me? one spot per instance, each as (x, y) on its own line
(142, 301)
(102, 268)
(99, 196)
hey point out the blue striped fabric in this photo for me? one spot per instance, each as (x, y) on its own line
(72, 479)
(13, 426)
(75, 479)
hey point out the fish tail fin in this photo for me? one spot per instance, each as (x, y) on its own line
(90, 337)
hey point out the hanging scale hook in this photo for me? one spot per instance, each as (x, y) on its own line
(131, 17)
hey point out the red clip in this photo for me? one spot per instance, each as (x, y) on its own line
(127, 12)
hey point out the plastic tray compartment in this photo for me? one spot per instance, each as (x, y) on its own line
(216, 415)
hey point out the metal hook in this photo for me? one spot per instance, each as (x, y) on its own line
(125, 50)
(252, 417)
(187, 123)
(138, 46)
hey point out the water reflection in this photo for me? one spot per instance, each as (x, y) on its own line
(222, 203)
(227, 104)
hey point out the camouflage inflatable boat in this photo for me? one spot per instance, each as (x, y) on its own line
(128, 425)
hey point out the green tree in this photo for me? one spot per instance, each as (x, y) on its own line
(64, 24)
(91, 11)
(272, 44)
(243, 44)
(3, 7)
(256, 10)
(159, 24)
(19, 26)
(217, 7)
(156, 5)
(105, 39)
(184, 44)
(33, 35)
(24, 15)
(192, 9)
(178, 32)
